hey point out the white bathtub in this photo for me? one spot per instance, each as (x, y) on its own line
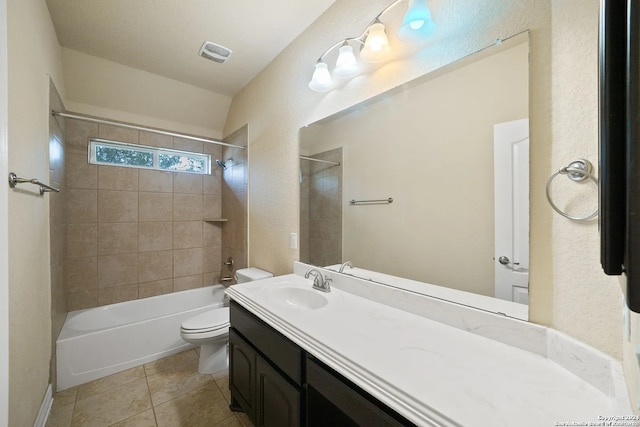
(104, 340)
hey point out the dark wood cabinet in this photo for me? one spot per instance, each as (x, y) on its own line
(278, 402)
(277, 384)
(242, 374)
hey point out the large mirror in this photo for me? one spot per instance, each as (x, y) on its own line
(428, 182)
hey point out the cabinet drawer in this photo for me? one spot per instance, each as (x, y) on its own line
(283, 353)
(355, 406)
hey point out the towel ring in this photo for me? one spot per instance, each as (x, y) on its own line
(577, 171)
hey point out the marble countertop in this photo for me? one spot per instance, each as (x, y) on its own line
(432, 373)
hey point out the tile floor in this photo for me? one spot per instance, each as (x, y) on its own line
(166, 393)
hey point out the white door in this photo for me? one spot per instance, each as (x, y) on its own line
(4, 223)
(511, 188)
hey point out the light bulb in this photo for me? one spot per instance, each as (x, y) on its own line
(346, 64)
(376, 46)
(417, 22)
(321, 80)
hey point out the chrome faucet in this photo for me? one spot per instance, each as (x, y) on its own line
(319, 283)
(345, 264)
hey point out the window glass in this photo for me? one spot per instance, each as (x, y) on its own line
(115, 153)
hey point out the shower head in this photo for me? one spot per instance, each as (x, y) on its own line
(221, 164)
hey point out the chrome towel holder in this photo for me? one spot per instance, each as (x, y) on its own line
(577, 171)
(44, 188)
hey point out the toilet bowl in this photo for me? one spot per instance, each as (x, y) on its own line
(210, 330)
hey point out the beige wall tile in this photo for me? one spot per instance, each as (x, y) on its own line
(159, 287)
(117, 238)
(187, 207)
(156, 206)
(209, 279)
(187, 145)
(119, 134)
(187, 183)
(82, 206)
(155, 236)
(156, 139)
(187, 262)
(211, 206)
(187, 234)
(117, 178)
(211, 259)
(117, 270)
(155, 266)
(117, 206)
(82, 300)
(187, 282)
(78, 134)
(79, 172)
(212, 233)
(117, 294)
(155, 181)
(82, 240)
(80, 274)
(212, 184)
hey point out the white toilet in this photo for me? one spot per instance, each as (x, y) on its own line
(210, 330)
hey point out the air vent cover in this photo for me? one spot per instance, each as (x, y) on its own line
(215, 52)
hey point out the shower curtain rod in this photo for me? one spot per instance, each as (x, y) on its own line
(320, 161)
(146, 129)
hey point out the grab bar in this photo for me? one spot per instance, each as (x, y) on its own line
(371, 202)
(44, 188)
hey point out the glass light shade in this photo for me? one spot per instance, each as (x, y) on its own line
(417, 23)
(376, 46)
(346, 64)
(321, 80)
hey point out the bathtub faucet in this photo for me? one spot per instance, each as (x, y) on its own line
(318, 282)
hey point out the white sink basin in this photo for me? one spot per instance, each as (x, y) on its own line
(297, 298)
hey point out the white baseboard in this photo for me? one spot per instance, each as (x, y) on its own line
(45, 408)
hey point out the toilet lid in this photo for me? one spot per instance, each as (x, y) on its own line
(208, 321)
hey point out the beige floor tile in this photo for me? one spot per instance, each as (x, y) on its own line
(232, 421)
(112, 406)
(244, 419)
(60, 416)
(222, 381)
(65, 398)
(145, 419)
(204, 407)
(112, 381)
(169, 385)
(181, 362)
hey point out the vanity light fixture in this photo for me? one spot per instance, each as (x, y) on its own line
(373, 43)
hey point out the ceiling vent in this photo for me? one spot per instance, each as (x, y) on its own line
(215, 52)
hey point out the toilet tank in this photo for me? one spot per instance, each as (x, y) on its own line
(250, 274)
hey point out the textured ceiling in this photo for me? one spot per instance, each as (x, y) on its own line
(164, 36)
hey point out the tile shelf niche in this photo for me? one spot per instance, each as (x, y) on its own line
(215, 220)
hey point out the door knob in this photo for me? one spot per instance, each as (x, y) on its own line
(504, 260)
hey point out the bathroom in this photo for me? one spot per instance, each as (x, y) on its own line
(568, 289)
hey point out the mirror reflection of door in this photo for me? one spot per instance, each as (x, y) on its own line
(511, 199)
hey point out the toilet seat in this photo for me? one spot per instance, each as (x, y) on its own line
(211, 323)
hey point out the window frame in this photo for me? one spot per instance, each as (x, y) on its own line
(155, 151)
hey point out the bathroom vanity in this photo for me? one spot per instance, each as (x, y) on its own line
(375, 355)
(277, 383)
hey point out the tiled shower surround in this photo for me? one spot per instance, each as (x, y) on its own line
(134, 233)
(321, 209)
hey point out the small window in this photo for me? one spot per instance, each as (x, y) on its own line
(103, 152)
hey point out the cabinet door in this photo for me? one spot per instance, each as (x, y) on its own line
(278, 402)
(242, 375)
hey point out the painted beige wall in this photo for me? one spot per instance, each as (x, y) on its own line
(431, 149)
(103, 88)
(568, 289)
(33, 54)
